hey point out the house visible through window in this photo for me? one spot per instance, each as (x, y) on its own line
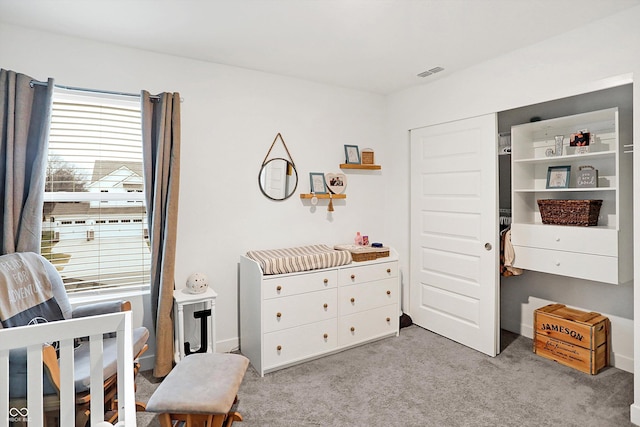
(94, 219)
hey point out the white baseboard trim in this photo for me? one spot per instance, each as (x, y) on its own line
(227, 346)
(635, 414)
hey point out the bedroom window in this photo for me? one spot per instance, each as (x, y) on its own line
(94, 219)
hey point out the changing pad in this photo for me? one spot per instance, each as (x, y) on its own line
(301, 258)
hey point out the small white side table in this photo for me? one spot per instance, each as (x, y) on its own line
(181, 298)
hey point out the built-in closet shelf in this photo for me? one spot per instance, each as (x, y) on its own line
(599, 253)
(323, 196)
(564, 190)
(359, 166)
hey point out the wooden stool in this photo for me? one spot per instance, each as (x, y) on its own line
(200, 390)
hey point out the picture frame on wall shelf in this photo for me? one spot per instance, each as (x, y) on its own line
(317, 183)
(558, 176)
(352, 154)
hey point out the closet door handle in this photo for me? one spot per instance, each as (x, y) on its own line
(488, 246)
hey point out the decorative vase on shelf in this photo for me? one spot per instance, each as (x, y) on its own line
(559, 142)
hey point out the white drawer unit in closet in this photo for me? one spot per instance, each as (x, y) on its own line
(290, 318)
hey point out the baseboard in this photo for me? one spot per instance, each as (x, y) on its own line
(635, 414)
(227, 346)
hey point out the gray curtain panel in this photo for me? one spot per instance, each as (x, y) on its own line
(25, 114)
(161, 158)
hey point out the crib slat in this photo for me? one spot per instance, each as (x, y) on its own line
(34, 385)
(67, 386)
(97, 404)
(4, 387)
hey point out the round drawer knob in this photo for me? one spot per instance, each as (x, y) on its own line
(557, 239)
(278, 315)
(278, 288)
(326, 336)
(326, 281)
(388, 292)
(353, 329)
(353, 300)
(558, 263)
(279, 348)
(325, 305)
(353, 276)
(388, 270)
(388, 319)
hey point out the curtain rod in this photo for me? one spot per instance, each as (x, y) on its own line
(108, 92)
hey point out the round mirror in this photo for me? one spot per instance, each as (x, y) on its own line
(278, 179)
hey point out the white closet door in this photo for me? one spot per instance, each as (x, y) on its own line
(454, 288)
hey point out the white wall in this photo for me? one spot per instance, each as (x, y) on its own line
(230, 117)
(580, 61)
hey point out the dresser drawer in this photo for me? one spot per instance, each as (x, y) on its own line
(368, 325)
(590, 240)
(367, 273)
(299, 343)
(584, 266)
(365, 296)
(296, 310)
(275, 286)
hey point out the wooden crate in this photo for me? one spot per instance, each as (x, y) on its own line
(574, 338)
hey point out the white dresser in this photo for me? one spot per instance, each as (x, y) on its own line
(290, 318)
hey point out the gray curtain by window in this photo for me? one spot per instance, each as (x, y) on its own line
(161, 158)
(25, 113)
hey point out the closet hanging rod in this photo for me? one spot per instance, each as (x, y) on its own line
(80, 89)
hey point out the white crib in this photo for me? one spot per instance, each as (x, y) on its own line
(65, 331)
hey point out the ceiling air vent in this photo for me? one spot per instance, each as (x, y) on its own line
(431, 71)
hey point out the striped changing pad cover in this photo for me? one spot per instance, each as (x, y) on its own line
(301, 258)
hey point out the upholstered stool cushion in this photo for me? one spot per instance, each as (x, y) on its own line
(202, 383)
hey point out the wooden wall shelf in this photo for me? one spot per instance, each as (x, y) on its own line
(323, 196)
(357, 166)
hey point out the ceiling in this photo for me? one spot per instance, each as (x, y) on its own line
(374, 45)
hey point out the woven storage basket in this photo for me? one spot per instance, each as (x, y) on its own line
(569, 212)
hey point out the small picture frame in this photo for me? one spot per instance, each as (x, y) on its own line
(580, 141)
(352, 154)
(318, 185)
(558, 176)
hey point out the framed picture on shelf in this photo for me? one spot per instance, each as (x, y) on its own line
(558, 176)
(318, 185)
(352, 154)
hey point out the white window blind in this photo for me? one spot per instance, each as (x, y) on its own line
(94, 219)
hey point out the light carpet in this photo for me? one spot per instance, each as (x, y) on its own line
(423, 379)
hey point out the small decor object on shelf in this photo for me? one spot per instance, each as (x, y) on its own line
(318, 185)
(197, 283)
(352, 154)
(587, 177)
(337, 182)
(558, 176)
(559, 145)
(367, 156)
(580, 140)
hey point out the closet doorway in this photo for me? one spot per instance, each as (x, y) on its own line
(454, 245)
